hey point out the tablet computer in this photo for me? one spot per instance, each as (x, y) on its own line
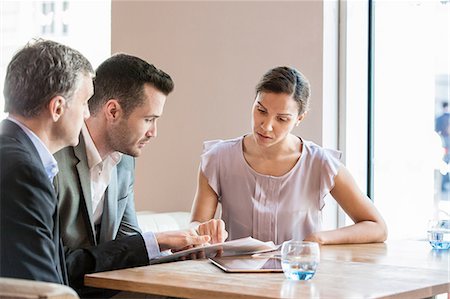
(247, 263)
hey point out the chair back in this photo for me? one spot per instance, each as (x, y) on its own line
(13, 288)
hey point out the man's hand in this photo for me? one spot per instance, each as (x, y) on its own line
(215, 228)
(177, 240)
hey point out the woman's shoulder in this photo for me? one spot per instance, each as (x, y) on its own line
(316, 151)
(220, 145)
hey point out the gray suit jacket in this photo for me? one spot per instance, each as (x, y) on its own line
(120, 243)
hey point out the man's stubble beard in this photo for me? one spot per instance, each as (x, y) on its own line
(118, 140)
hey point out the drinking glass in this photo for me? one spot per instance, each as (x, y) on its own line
(300, 259)
(439, 234)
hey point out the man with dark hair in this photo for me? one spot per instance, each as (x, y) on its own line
(47, 87)
(95, 183)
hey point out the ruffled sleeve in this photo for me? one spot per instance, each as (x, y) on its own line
(210, 164)
(330, 167)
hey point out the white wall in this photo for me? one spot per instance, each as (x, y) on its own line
(216, 52)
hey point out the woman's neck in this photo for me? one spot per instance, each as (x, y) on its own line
(290, 145)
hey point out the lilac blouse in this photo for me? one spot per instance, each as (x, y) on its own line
(269, 208)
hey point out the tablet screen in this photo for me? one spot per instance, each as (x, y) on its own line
(247, 264)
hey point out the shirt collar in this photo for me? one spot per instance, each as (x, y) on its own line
(47, 159)
(93, 156)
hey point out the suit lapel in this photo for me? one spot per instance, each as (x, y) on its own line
(85, 181)
(109, 216)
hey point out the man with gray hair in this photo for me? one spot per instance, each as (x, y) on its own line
(47, 87)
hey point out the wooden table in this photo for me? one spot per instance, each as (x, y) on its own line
(405, 269)
(407, 253)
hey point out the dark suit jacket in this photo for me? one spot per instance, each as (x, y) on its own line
(120, 243)
(30, 246)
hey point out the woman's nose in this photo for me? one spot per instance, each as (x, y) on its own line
(266, 125)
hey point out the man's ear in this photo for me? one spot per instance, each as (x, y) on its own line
(57, 107)
(113, 110)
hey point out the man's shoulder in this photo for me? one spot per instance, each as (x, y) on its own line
(12, 137)
(20, 165)
(67, 162)
(443, 117)
(13, 152)
(446, 116)
(63, 154)
(69, 152)
(18, 156)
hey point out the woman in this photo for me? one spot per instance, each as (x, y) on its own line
(272, 184)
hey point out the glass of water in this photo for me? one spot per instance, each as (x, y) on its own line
(300, 259)
(439, 233)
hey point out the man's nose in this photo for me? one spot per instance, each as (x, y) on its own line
(152, 131)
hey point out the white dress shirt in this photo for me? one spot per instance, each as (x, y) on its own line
(100, 171)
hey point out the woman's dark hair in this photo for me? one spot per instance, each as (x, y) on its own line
(289, 81)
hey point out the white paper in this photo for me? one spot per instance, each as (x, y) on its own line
(236, 247)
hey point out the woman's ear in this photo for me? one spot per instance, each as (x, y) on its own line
(112, 110)
(57, 107)
(300, 118)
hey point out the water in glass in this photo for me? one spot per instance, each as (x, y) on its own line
(439, 234)
(300, 259)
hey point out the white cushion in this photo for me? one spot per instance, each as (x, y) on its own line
(158, 222)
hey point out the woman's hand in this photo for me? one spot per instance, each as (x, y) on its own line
(215, 228)
(315, 237)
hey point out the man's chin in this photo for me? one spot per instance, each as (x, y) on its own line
(74, 142)
(134, 152)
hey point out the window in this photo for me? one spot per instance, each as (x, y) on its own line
(83, 25)
(407, 83)
(48, 18)
(410, 54)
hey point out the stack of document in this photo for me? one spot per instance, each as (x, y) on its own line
(236, 247)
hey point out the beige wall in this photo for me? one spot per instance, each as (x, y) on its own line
(215, 52)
